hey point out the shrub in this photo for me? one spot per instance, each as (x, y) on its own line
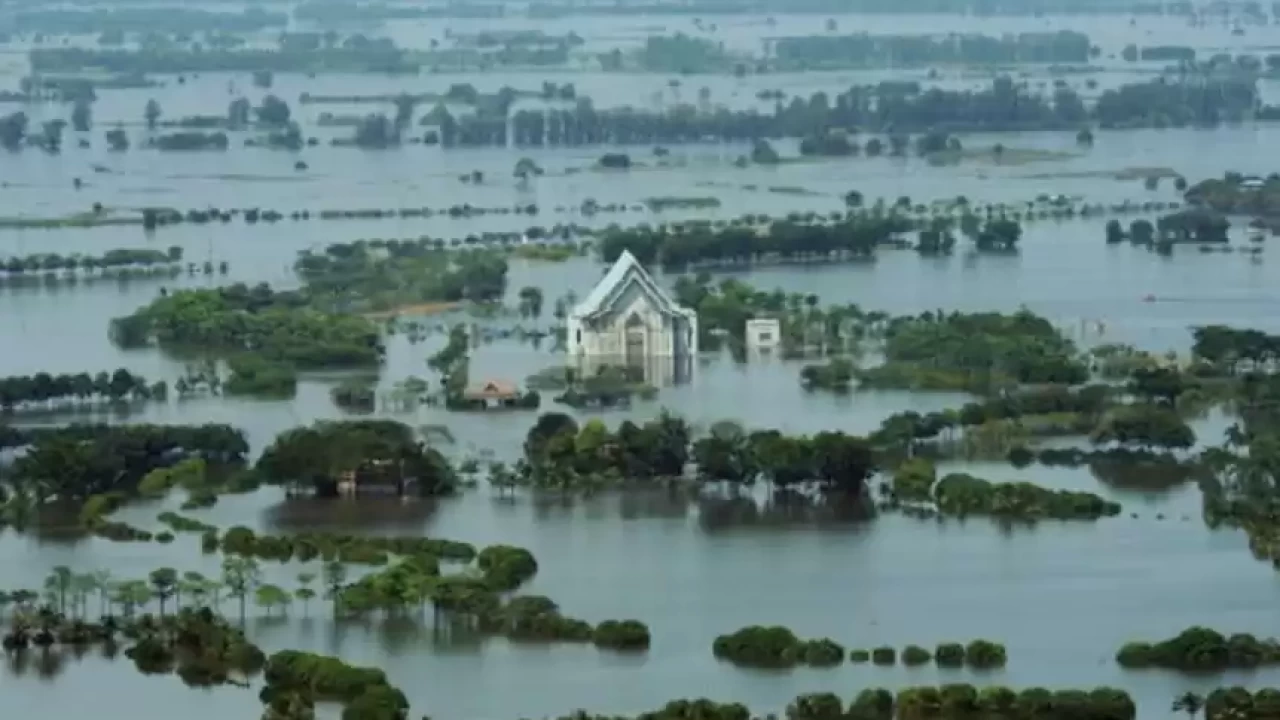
(949, 655)
(872, 704)
(816, 706)
(757, 646)
(1200, 648)
(859, 656)
(621, 635)
(984, 654)
(506, 567)
(915, 655)
(823, 652)
(884, 655)
(1135, 655)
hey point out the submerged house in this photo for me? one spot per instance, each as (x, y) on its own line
(377, 477)
(628, 321)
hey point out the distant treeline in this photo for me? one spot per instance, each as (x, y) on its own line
(815, 51)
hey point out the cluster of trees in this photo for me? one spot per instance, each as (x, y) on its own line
(1201, 649)
(896, 108)
(1144, 426)
(1237, 702)
(76, 462)
(864, 50)
(331, 547)
(355, 54)
(296, 680)
(702, 245)
(378, 275)
(724, 308)
(319, 455)
(40, 263)
(43, 391)
(559, 453)
(778, 647)
(1230, 194)
(962, 495)
(955, 700)
(279, 326)
(978, 654)
(258, 376)
(1232, 349)
(967, 350)
(775, 646)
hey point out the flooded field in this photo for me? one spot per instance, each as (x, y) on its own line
(1062, 596)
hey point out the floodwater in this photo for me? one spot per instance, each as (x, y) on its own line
(1062, 596)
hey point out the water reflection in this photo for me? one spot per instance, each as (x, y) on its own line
(365, 515)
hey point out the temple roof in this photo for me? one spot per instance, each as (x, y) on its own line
(626, 269)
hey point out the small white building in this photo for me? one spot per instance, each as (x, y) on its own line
(627, 320)
(763, 334)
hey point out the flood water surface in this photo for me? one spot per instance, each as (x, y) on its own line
(1063, 597)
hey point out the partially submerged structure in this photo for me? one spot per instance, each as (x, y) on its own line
(763, 334)
(629, 321)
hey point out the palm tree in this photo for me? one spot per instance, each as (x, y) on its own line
(59, 584)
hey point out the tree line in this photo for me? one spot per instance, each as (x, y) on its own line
(280, 327)
(43, 390)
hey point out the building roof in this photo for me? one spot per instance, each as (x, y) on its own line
(492, 390)
(625, 269)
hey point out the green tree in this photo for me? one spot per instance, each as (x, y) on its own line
(304, 592)
(164, 583)
(270, 597)
(240, 575)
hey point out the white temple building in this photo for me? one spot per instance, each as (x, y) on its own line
(627, 320)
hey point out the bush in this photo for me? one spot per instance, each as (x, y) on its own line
(884, 656)
(914, 479)
(506, 567)
(757, 646)
(984, 654)
(949, 655)
(816, 706)
(859, 656)
(621, 635)
(915, 655)
(1199, 649)
(823, 652)
(1136, 655)
(872, 704)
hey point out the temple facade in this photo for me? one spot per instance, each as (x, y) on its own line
(628, 321)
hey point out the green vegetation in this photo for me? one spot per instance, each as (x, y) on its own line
(120, 264)
(44, 392)
(294, 677)
(370, 276)
(961, 495)
(774, 647)
(561, 455)
(101, 466)
(371, 453)
(278, 327)
(812, 52)
(1200, 649)
(959, 351)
